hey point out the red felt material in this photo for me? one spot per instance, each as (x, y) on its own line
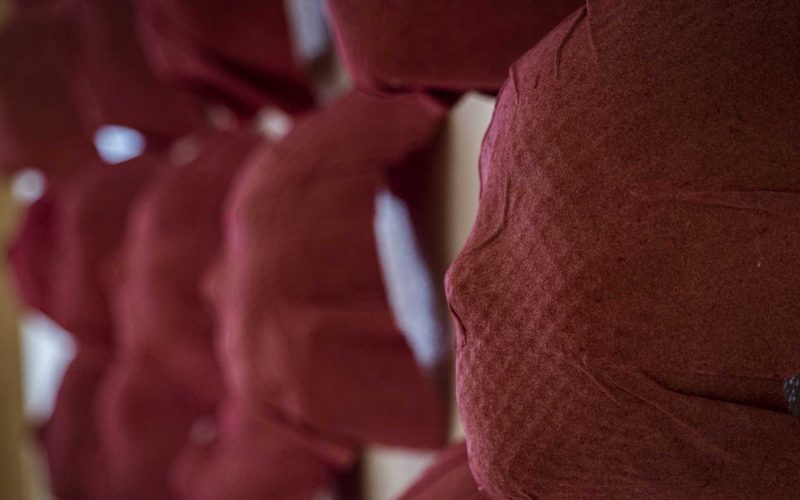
(250, 458)
(302, 304)
(238, 55)
(166, 376)
(440, 44)
(627, 300)
(114, 84)
(60, 257)
(449, 478)
(39, 123)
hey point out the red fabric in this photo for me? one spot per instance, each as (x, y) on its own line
(627, 300)
(113, 82)
(30, 255)
(39, 123)
(251, 458)
(241, 56)
(60, 258)
(302, 305)
(66, 242)
(77, 470)
(167, 376)
(449, 478)
(440, 44)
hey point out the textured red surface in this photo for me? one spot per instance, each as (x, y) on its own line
(441, 44)
(302, 303)
(627, 300)
(113, 82)
(61, 258)
(238, 55)
(449, 478)
(165, 376)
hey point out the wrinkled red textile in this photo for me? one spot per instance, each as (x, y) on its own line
(64, 247)
(238, 55)
(449, 478)
(60, 258)
(166, 376)
(39, 123)
(440, 44)
(251, 458)
(114, 84)
(627, 300)
(302, 304)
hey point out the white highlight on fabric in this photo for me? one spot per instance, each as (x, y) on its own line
(273, 123)
(409, 285)
(28, 185)
(116, 144)
(47, 350)
(309, 28)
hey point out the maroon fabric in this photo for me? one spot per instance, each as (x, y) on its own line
(449, 478)
(30, 255)
(39, 123)
(627, 301)
(302, 304)
(441, 44)
(76, 468)
(166, 377)
(67, 240)
(241, 56)
(113, 82)
(95, 214)
(60, 258)
(251, 458)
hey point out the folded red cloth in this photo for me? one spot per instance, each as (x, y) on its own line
(449, 478)
(627, 300)
(166, 375)
(68, 240)
(441, 44)
(113, 82)
(242, 57)
(300, 294)
(66, 244)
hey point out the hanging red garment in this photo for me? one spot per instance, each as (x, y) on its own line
(449, 478)
(39, 123)
(166, 377)
(113, 82)
(240, 56)
(61, 258)
(302, 304)
(627, 299)
(440, 44)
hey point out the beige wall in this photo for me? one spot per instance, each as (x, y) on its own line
(12, 424)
